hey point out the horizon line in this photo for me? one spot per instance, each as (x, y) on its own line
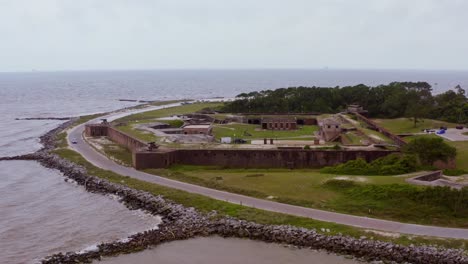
(238, 69)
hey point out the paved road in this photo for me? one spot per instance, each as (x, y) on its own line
(101, 161)
(454, 134)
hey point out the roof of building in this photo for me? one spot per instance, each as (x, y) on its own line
(284, 120)
(329, 121)
(198, 126)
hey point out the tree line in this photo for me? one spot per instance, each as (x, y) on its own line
(397, 99)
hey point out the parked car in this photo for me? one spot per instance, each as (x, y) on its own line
(443, 128)
(459, 127)
(440, 132)
(74, 141)
(239, 141)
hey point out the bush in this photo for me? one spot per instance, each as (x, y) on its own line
(430, 149)
(306, 147)
(389, 165)
(339, 184)
(456, 201)
(455, 172)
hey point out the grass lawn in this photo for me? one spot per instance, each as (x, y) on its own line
(126, 123)
(305, 188)
(352, 138)
(237, 130)
(169, 111)
(462, 153)
(406, 125)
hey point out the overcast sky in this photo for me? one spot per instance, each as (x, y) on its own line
(151, 34)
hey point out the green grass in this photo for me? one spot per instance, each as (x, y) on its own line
(305, 188)
(205, 204)
(126, 123)
(61, 140)
(172, 123)
(406, 125)
(140, 134)
(237, 130)
(118, 153)
(351, 138)
(462, 153)
(169, 111)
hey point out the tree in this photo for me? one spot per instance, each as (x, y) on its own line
(430, 150)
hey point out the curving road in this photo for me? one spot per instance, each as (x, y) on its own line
(102, 161)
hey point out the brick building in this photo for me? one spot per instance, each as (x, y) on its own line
(279, 123)
(329, 129)
(197, 129)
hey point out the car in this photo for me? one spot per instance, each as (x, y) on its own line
(459, 127)
(239, 141)
(443, 128)
(440, 132)
(73, 141)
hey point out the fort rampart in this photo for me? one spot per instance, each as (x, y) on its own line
(400, 142)
(233, 158)
(247, 158)
(119, 137)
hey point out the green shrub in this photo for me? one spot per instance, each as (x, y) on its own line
(430, 149)
(451, 200)
(339, 184)
(455, 172)
(388, 165)
(306, 147)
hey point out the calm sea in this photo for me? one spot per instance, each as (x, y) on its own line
(36, 221)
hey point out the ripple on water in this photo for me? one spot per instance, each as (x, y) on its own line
(41, 214)
(214, 250)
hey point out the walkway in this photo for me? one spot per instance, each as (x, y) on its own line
(101, 161)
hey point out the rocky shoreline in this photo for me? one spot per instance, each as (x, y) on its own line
(179, 222)
(44, 118)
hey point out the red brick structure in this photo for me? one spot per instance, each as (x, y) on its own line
(279, 123)
(197, 129)
(248, 158)
(100, 130)
(235, 158)
(330, 129)
(96, 130)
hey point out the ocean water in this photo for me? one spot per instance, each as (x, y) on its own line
(214, 250)
(24, 224)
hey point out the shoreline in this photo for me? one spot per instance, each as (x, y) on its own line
(179, 222)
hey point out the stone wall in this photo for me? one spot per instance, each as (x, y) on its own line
(431, 176)
(372, 124)
(284, 158)
(96, 130)
(121, 138)
(234, 158)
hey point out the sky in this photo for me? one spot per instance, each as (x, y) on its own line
(49, 35)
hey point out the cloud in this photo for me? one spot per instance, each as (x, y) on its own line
(121, 34)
